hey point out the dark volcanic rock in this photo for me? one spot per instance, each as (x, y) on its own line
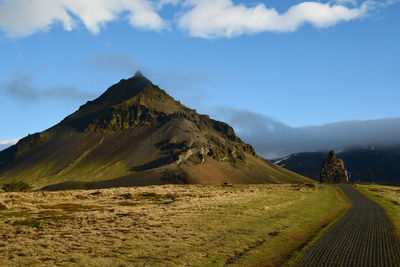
(333, 170)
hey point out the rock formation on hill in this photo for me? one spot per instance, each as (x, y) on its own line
(136, 134)
(333, 170)
(370, 164)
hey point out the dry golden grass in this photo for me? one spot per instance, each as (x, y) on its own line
(188, 225)
(388, 197)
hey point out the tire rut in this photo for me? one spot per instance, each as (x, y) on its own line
(364, 236)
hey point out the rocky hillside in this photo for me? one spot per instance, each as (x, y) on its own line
(136, 134)
(367, 164)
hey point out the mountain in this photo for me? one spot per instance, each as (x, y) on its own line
(364, 164)
(136, 134)
(7, 143)
(274, 139)
(4, 146)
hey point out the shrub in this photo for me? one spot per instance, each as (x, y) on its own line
(31, 222)
(151, 196)
(127, 196)
(310, 185)
(17, 187)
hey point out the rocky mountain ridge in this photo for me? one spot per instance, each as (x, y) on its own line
(134, 130)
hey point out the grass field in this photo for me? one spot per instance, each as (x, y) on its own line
(388, 197)
(188, 225)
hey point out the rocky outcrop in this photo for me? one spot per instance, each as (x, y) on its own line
(153, 106)
(124, 117)
(29, 144)
(333, 170)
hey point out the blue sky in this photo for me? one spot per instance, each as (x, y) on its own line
(298, 63)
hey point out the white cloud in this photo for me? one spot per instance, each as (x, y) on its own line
(7, 143)
(222, 18)
(200, 18)
(19, 18)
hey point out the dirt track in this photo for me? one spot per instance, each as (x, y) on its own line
(364, 236)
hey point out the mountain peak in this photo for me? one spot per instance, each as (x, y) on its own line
(126, 104)
(127, 89)
(138, 74)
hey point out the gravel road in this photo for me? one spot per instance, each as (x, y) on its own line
(364, 236)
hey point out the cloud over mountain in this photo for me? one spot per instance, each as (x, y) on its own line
(6, 143)
(274, 139)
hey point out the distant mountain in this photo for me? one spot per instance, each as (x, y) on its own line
(7, 143)
(274, 139)
(4, 146)
(367, 164)
(136, 134)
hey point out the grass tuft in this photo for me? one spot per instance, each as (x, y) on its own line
(17, 187)
(72, 207)
(126, 196)
(31, 222)
(156, 197)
